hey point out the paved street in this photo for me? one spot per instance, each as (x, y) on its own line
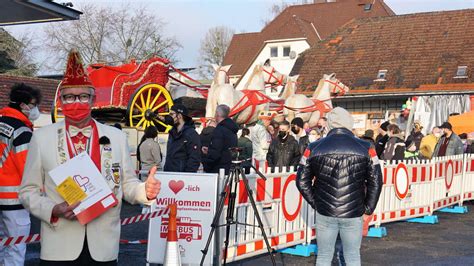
(448, 243)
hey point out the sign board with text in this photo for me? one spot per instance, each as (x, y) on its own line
(195, 195)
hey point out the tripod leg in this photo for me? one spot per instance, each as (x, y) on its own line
(230, 210)
(215, 221)
(260, 224)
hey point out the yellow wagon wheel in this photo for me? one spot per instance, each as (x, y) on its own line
(146, 104)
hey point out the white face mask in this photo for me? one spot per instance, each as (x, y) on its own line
(32, 113)
(437, 135)
(312, 138)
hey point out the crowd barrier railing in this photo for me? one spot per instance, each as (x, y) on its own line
(406, 191)
(412, 190)
(448, 181)
(468, 185)
(282, 210)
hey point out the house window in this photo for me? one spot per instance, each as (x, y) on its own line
(286, 51)
(381, 76)
(462, 72)
(274, 52)
(367, 7)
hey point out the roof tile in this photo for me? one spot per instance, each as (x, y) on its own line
(298, 21)
(46, 86)
(416, 49)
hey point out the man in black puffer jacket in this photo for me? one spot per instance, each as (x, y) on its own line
(347, 185)
(218, 156)
(183, 151)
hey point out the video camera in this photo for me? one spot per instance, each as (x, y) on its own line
(235, 152)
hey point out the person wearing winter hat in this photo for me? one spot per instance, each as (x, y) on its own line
(340, 177)
(382, 138)
(183, 150)
(297, 128)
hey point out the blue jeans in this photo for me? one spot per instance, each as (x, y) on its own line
(350, 230)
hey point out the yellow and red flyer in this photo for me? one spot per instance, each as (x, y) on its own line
(82, 171)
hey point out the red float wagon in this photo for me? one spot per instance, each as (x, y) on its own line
(133, 93)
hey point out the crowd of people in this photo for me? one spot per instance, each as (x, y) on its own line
(280, 144)
(392, 144)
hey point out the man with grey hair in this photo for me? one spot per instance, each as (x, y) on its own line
(347, 184)
(218, 156)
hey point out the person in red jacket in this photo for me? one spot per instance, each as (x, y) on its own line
(16, 126)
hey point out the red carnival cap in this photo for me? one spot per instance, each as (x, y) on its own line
(75, 76)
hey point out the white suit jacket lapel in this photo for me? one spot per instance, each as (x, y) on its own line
(61, 144)
(105, 156)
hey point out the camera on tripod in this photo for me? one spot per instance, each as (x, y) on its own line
(235, 153)
(229, 193)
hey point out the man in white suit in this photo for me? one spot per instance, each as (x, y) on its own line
(64, 241)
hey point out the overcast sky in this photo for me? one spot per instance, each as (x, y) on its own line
(189, 20)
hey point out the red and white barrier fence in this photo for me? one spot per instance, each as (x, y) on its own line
(468, 185)
(411, 189)
(8, 241)
(448, 181)
(282, 210)
(406, 191)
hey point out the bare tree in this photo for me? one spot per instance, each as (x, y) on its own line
(276, 8)
(213, 49)
(111, 36)
(15, 54)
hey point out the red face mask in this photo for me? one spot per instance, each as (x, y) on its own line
(76, 111)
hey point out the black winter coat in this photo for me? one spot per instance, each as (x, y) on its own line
(303, 144)
(394, 149)
(206, 136)
(183, 151)
(218, 155)
(348, 180)
(416, 137)
(282, 154)
(380, 143)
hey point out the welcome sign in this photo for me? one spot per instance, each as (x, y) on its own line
(195, 195)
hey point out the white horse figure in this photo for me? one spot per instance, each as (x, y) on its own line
(219, 84)
(311, 109)
(241, 102)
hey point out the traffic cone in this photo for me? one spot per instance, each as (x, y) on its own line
(172, 256)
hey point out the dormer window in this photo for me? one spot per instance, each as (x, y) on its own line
(367, 7)
(381, 76)
(461, 72)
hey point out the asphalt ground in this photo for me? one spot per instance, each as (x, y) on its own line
(450, 242)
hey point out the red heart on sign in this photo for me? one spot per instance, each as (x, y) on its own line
(81, 181)
(176, 186)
